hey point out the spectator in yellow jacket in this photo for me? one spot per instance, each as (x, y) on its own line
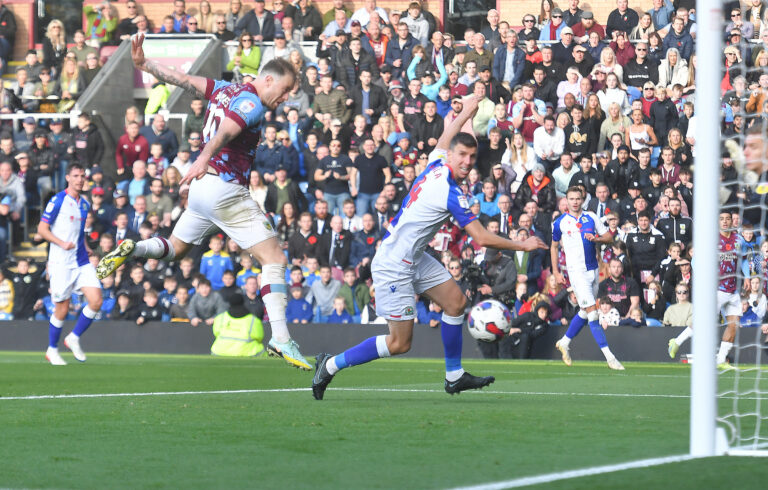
(238, 333)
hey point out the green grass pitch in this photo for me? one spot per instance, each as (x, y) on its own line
(388, 424)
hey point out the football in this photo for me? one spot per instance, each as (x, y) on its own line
(489, 321)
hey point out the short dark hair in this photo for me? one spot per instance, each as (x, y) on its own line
(464, 139)
(278, 68)
(74, 166)
(574, 188)
(646, 213)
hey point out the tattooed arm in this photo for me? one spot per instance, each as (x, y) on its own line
(193, 84)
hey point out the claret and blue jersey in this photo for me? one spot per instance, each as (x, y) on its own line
(569, 230)
(434, 197)
(240, 103)
(66, 217)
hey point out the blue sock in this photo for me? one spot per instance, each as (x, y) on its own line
(577, 323)
(83, 321)
(368, 350)
(450, 331)
(598, 333)
(54, 331)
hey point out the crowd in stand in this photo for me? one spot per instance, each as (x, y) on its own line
(567, 100)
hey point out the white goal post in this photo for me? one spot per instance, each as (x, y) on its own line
(727, 419)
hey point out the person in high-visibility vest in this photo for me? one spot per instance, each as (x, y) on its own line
(238, 333)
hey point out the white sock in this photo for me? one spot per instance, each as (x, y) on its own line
(565, 341)
(275, 298)
(684, 335)
(607, 353)
(331, 366)
(155, 248)
(452, 376)
(725, 348)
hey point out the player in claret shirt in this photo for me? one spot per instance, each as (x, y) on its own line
(728, 300)
(401, 269)
(218, 180)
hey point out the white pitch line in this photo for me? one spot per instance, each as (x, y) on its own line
(291, 390)
(566, 475)
(360, 389)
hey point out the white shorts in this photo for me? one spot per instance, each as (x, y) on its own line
(729, 304)
(217, 205)
(584, 284)
(397, 284)
(64, 282)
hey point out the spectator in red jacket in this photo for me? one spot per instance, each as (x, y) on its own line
(130, 147)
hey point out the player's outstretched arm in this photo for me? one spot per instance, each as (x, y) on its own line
(228, 130)
(195, 85)
(470, 105)
(485, 238)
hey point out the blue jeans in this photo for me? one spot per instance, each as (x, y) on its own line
(336, 201)
(61, 181)
(364, 203)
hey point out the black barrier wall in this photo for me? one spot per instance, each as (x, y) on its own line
(629, 344)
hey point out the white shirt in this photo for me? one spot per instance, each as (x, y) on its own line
(434, 197)
(580, 253)
(66, 217)
(544, 142)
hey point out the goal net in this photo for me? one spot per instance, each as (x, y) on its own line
(729, 400)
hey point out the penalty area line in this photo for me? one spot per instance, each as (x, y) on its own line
(567, 475)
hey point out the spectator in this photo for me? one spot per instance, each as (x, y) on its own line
(131, 147)
(92, 68)
(298, 310)
(678, 38)
(330, 101)
(101, 22)
(238, 332)
(680, 314)
(22, 140)
(128, 24)
(159, 203)
(622, 19)
(673, 69)
(323, 292)
(214, 262)
(550, 30)
(124, 310)
(89, 146)
(339, 313)
(54, 46)
(7, 34)
(654, 305)
(398, 54)
(334, 248)
(139, 184)
(282, 190)
(157, 132)
(417, 23)
(195, 118)
(11, 187)
(220, 29)
(205, 305)
(80, 48)
(179, 17)
(646, 248)
(247, 58)
(149, 310)
(623, 291)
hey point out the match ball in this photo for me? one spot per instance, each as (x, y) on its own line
(489, 321)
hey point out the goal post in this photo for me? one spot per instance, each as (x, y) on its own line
(729, 410)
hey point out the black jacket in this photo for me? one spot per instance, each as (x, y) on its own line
(676, 229)
(250, 23)
(341, 250)
(310, 18)
(377, 100)
(300, 246)
(350, 68)
(645, 251)
(8, 25)
(424, 130)
(89, 147)
(546, 198)
(663, 118)
(295, 196)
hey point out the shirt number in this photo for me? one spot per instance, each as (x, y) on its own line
(212, 124)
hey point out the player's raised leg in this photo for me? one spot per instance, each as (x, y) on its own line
(154, 248)
(94, 299)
